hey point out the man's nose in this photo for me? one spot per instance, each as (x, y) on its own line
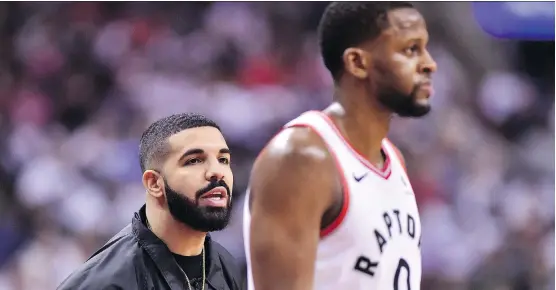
(214, 172)
(428, 66)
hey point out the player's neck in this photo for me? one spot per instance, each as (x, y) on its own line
(364, 124)
(179, 238)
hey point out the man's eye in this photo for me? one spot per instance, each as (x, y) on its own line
(224, 160)
(193, 161)
(412, 50)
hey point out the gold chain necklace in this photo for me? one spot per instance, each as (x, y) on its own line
(187, 278)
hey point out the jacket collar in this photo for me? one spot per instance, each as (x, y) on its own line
(164, 260)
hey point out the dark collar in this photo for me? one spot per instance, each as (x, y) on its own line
(165, 262)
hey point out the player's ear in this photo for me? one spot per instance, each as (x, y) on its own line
(356, 62)
(152, 183)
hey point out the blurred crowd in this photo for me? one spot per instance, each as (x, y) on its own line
(79, 82)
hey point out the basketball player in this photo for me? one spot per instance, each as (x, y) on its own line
(330, 205)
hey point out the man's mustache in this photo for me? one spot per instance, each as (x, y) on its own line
(214, 183)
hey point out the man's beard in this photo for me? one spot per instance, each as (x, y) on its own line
(403, 105)
(200, 218)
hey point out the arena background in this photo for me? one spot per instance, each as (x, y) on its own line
(79, 82)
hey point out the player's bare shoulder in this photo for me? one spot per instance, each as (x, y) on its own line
(295, 157)
(297, 142)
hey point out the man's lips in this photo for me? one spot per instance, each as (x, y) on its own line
(216, 192)
(427, 87)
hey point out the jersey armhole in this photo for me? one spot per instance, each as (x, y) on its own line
(336, 222)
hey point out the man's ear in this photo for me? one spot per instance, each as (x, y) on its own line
(152, 183)
(356, 62)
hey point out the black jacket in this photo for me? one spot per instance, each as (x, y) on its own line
(136, 259)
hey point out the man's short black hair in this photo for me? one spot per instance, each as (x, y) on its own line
(348, 24)
(153, 145)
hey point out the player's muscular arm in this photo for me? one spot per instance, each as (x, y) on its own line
(292, 185)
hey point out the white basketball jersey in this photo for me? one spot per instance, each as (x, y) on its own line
(375, 241)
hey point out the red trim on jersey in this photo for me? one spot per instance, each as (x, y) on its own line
(345, 202)
(386, 170)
